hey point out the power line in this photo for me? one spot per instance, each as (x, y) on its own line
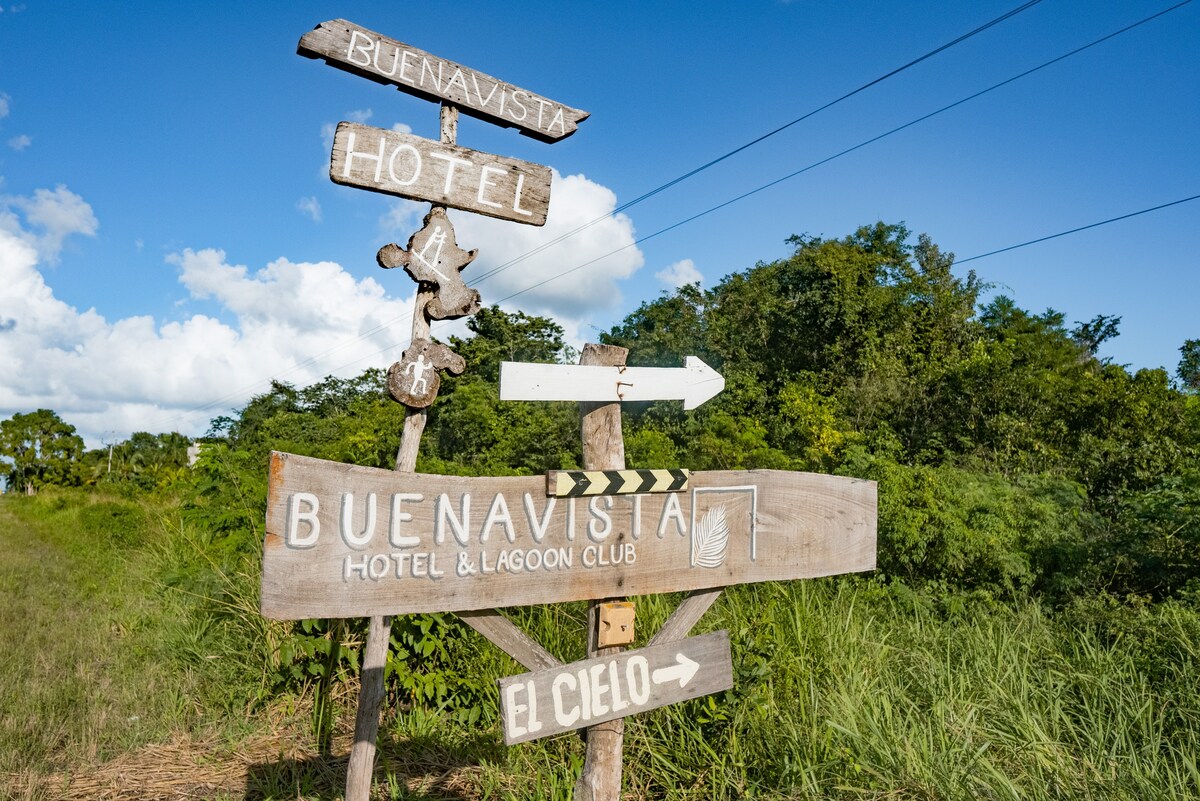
(748, 194)
(1077, 230)
(639, 199)
(647, 195)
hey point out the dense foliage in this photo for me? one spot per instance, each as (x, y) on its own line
(1021, 474)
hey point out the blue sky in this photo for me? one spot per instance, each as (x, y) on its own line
(170, 239)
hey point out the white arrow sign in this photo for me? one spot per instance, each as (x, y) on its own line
(681, 672)
(694, 383)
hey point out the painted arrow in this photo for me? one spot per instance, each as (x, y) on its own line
(682, 671)
(694, 383)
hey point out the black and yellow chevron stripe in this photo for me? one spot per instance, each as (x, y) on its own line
(577, 483)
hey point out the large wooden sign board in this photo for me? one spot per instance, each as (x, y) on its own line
(348, 541)
(421, 169)
(379, 58)
(593, 691)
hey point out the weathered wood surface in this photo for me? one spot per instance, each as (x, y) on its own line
(421, 169)
(378, 58)
(686, 615)
(445, 543)
(585, 483)
(614, 686)
(366, 720)
(603, 449)
(693, 383)
(505, 635)
(434, 257)
(414, 380)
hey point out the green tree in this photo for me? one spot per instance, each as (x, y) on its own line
(1189, 365)
(38, 449)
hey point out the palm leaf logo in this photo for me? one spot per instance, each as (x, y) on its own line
(709, 539)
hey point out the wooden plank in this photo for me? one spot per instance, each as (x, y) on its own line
(693, 383)
(686, 615)
(613, 686)
(603, 449)
(585, 483)
(348, 541)
(505, 635)
(410, 166)
(378, 58)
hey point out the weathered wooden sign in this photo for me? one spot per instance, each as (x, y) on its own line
(348, 541)
(434, 258)
(694, 383)
(355, 49)
(414, 380)
(585, 693)
(409, 166)
(582, 483)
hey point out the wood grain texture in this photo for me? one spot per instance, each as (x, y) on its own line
(781, 525)
(363, 52)
(686, 615)
(412, 167)
(603, 449)
(547, 702)
(507, 637)
(433, 257)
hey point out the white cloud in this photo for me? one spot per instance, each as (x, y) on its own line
(680, 273)
(58, 214)
(19, 143)
(360, 115)
(310, 207)
(400, 127)
(4, 107)
(572, 280)
(402, 219)
(292, 320)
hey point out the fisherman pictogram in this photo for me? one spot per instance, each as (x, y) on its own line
(434, 258)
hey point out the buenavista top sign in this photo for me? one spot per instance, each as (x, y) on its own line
(374, 56)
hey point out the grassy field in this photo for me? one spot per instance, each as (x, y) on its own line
(134, 666)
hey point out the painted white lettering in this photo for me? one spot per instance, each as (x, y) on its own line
(395, 60)
(479, 94)
(398, 517)
(599, 533)
(637, 669)
(416, 170)
(635, 516)
(365, 49)
(585, 694)
(349, 566)
(618, 703)
(426, 69)
(671, 511)
(498, 513)
(502, 563)
(534, 724)
(542, 103)
(599, 687)
(518, 104)
(443, 513)
(484, 183)
(458, 79)
(533, 560)
(513, 709)
(483, 565)
(434, 573)
(378, 567)
(402, 559)
(404, 65)
(517, 196)
(451, 161)
(420, 565)
(351, 153)
(538, 527)
(296, 517)
(558, 120)
(563, 716)
(570, 519)
(348, 535)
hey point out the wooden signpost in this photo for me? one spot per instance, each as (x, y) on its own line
(348, 541)
(605, 688)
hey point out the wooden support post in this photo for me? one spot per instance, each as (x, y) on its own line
(603, 449)
(370, 693)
